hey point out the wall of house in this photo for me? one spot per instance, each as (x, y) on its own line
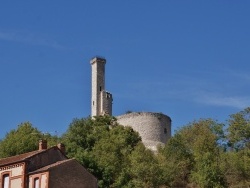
(43, 180)
(154, 128)
(16, 183)
(51, 156)
(16, 174)
(74, 176)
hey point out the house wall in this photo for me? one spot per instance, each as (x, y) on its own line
(43, 179)
(50, 167)
(71, 175)
(51, 156)
(16, 173)
(16, 183)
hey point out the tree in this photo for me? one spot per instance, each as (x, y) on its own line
(176, 160)
(102, 146)
(239, 129)
(206, 171)
(236, 167)
(144, 169)
(114, 149)
(193, 155)
(236, 160)
(23, 139)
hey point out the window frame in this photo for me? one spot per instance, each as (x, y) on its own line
(36, 181)
(35, 178)
(3, 176)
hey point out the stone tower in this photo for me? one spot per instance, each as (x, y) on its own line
(101, 100)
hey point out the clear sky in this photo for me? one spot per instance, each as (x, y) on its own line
(186, 59)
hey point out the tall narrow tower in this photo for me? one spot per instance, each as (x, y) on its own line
(101, 100)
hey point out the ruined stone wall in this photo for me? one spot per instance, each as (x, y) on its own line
(154, 128)
(106, 103)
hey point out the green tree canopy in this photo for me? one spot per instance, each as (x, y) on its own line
(239, 129)
(192, 155)
(102, 146)
(23, 139)
(143, 169)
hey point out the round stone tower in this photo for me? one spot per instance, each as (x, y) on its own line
(154, 128)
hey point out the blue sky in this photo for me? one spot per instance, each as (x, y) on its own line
(186, 59)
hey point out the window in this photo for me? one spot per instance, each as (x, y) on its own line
(6, 181)
(100, 88)
(36, 183)
(93, 103)
(165, 130)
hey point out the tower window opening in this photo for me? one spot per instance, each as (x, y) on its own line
(100, 88)
(93, 103)
(165, 131)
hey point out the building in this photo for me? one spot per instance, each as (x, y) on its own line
(101, 102)
(154, 128)
(44, 168)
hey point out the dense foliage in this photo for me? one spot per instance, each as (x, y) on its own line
(207, 154)
(102, 146)
(204, 153)
(23, 139)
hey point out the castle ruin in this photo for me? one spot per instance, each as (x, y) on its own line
(101, 99)
(154, 128)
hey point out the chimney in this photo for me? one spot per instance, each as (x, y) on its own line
(61, 146)
(42, 144)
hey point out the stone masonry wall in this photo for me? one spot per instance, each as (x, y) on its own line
(106, 103)
(97, 84)
(154, 128)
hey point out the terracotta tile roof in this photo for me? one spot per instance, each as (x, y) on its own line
(21, 157)
(52, 166)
